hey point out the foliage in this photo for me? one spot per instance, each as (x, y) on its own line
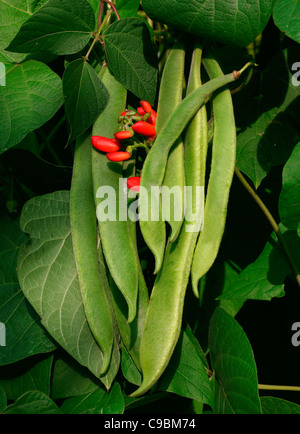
(66, 66)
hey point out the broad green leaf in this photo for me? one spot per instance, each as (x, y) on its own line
(131, 57)
(25, 376)
(263, 279)
(272, 405)
(59, 27)
(97, 402)
(266, 143)
(187, 372)
(69, 379)
(127, 8)
(95, 5)
(85, 96)
(25, 336)
(48, 277)
(267, 135)
(129, 369)
(287, 17)
(237, 21)
(33, 403)
(31, 97)
(233, 363)
(289, 200)
(13, 13)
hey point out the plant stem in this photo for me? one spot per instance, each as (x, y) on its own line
(271, 221)
(101, 7)
(274, 387)
(113, 8)
(96, 38)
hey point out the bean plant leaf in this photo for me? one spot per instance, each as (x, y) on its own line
(69, 379)
(33, 402)
(187, 372)
(30, 374)
(289, 200)
(96, 402)
(287, 17)
(266, 133)
(12, 15)
(127, 8)
(263, 279)
(48, 277)
(237, 21)
(85, 96)
(233, 363)
(24, 334)
(59, 27)
(271, 405)
(38, 92)
(131, 57)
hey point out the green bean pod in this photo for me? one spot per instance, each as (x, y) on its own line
(131, 332)
(84, 236)
(116, 240)
(156, 161)
(164, 317)
(220, 180)
(170, 95)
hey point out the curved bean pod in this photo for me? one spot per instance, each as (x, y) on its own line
(170, 95)
(84, 236)
(164, 317)
(156, 161)
(221, 175)
(118, 248)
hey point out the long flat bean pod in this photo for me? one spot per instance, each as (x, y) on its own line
(220, 180)
(131, 332)
(84, 235)
(117, 244)
(164, 317)
(170, 95)
(156, 161)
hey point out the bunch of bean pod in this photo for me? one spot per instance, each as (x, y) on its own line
(174, 143)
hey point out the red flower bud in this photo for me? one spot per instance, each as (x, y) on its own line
(104, 144)
(152, 119)
(118, 156)
(144, 128)
(146, 106)
(123, 135)
(134, 183)
(141, 111)
(124, 113)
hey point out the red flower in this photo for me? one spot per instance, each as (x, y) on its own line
(118, 156)
(146, 106)
(104, 144)
(141, 111)
(133, 183)
(144, 128)
(152, 119)
(123, 135)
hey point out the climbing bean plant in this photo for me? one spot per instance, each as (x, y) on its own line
(150, 220)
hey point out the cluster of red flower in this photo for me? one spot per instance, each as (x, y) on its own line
(116, 149)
